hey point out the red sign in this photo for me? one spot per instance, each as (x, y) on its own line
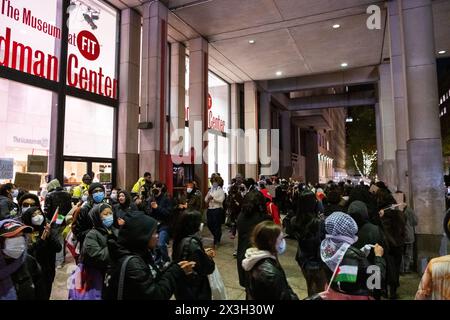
(209, 102)
(88, 45)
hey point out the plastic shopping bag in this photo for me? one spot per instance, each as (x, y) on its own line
(217, 286)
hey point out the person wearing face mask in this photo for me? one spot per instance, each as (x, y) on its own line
(160, 207)
(123, 207)
(187, 245)
(27, 201)
(266, 277)
(21, 276)
(135, 265)
(83, 222)
(215, 214)
(113, 197)
(43, 244)
(58, 198)
(193, 199)
(95, 253)
(7, 206)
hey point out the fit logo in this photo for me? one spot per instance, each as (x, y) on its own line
(374, 20)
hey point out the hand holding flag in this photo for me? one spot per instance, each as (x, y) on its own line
(57, 218)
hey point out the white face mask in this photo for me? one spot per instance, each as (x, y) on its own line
(114, 196)
(84, 198)
(281, 246)
(15, 193)
(37, 220)
(189, 190)
(15, 247)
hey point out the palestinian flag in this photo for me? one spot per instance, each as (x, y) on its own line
(346, 274)
(57, 218)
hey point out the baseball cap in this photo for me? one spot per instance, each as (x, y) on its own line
(10, 228)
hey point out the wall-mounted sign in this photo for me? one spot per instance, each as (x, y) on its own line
(28, 181)
(6, 168)
(37, 164)
(28, 33)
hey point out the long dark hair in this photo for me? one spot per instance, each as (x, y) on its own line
(187, 224)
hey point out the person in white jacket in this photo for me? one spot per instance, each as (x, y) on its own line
(215, 215)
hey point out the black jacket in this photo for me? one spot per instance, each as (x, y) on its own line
(143, 280)
(267, 281)
(330, 208)
(195, 286)
(309, 238)
(355, 257)
(6, 206)
(57, 198)
(29, 281)
(83, 223)
(245, 223)
(163, 213)
(44, 251)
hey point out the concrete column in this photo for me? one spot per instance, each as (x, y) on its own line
(127, 146)
(234, 143)
(286, 164)
(265, 123)
(424, 145)
(379, 135)
(399, 92)
(251, 130)
(311, 158)
(387, 115)
(153, 90)
(198, 110)
(177, 91)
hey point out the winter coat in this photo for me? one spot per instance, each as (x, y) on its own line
(330, 208)
(57, 198)
(195, 286)
(163, 213)
(194, 200)
(266, 277)
(234, 205)
(246, 222)
(44, 251)
(142, 279)
(393, 223)
(28, 279)
(95, 251)
(6, 206)
(309, 238)
(218, 197)
(83, 223)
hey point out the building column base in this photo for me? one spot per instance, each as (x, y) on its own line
(429, 246)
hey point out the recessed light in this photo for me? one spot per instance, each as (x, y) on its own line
(336, 26)
(344, 64)
(442, 52)
(251, 41)
(279, 73)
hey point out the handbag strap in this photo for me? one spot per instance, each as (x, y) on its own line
(122, 277)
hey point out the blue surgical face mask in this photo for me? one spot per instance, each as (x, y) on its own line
(189, 190)
(108, 221)
(15, 193)
(98, 196)
(215, 185)
(281, 246)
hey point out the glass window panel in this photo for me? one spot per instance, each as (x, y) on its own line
(89, 129)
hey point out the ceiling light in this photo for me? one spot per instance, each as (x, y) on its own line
(336, 26)
(442, 52)
(279, 73)
(349, 119)
(251, 41)
(344, 64)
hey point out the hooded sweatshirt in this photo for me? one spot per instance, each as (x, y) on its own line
(142, 279)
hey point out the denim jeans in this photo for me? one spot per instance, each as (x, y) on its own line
(163, 241)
